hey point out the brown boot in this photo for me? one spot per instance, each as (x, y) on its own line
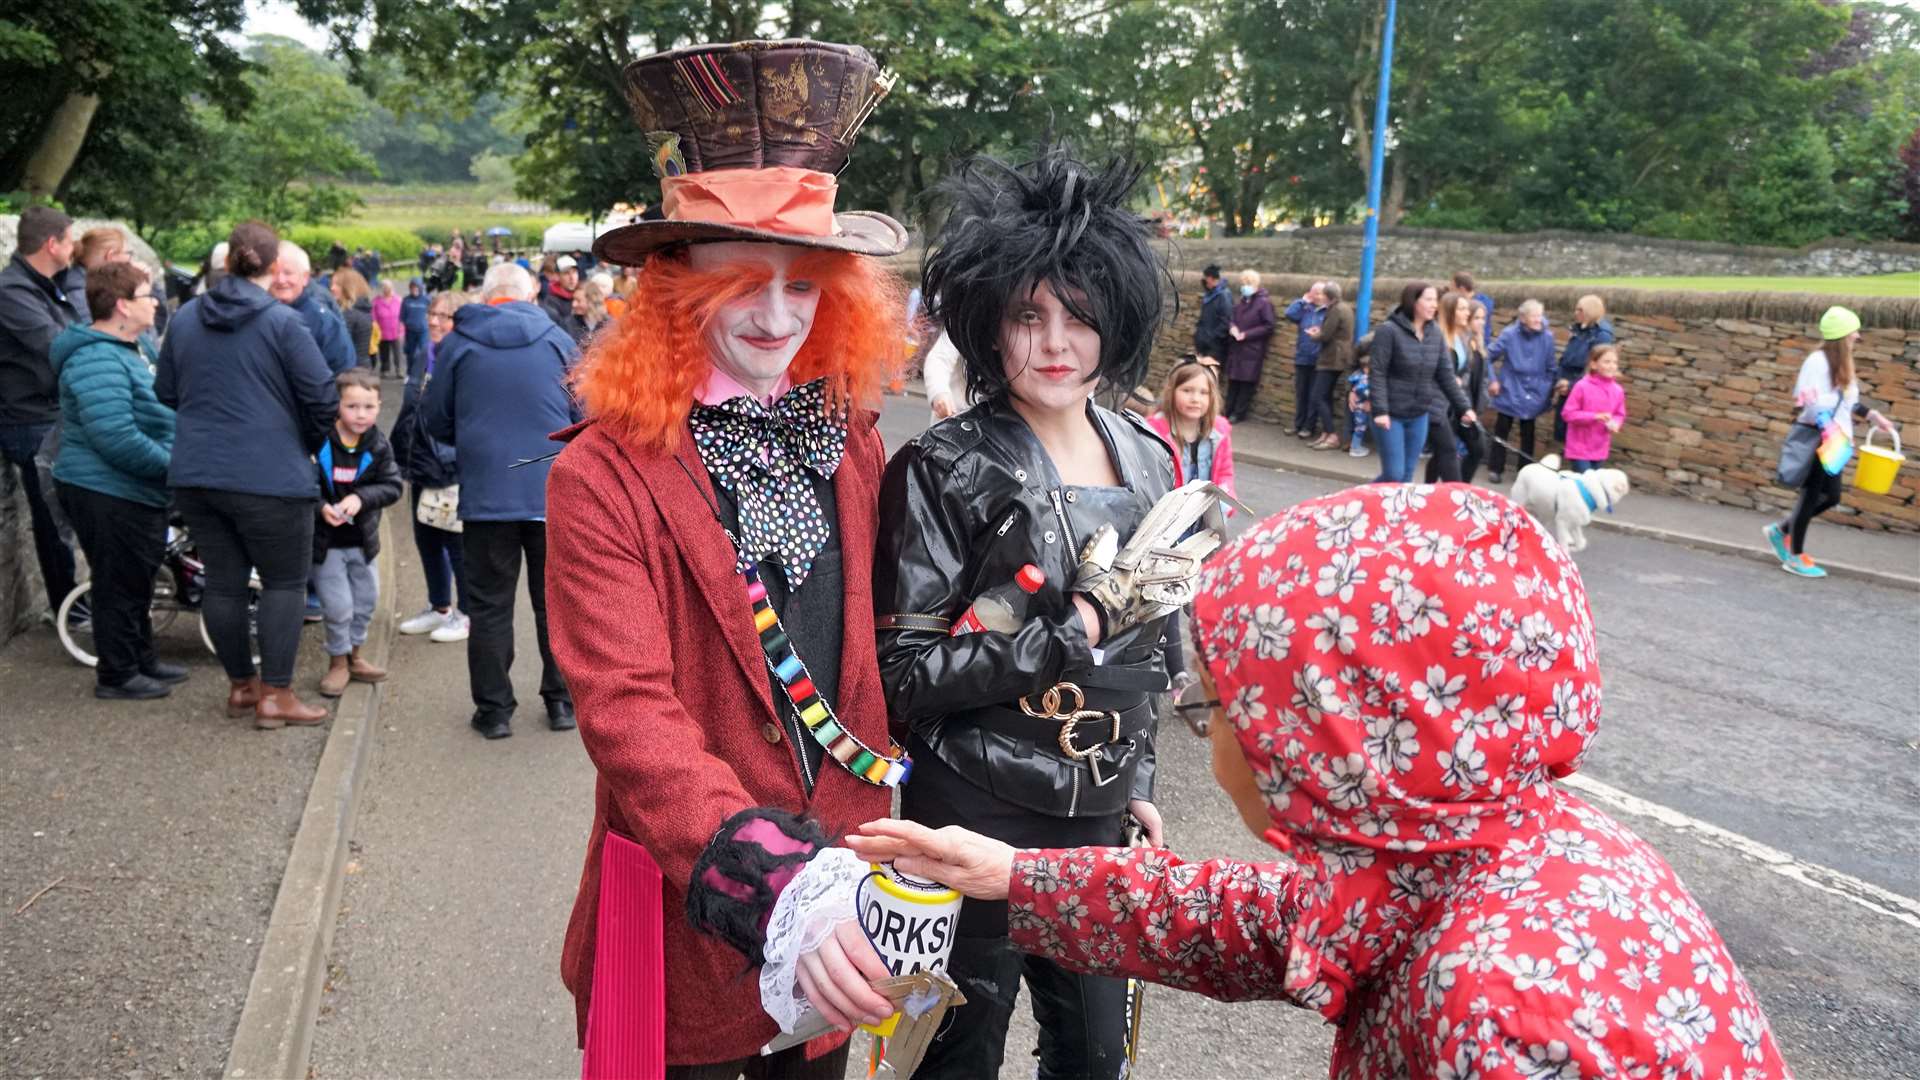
(242, 696)
(334, 682)
(278, 708)
(363, 670)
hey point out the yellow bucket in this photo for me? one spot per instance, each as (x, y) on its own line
(1877, 465)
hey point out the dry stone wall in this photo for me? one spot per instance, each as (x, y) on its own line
(1709, 380)
(1406, 252)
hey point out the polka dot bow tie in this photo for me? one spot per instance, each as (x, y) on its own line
(758, 455)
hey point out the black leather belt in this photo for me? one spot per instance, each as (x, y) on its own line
(1078, 734)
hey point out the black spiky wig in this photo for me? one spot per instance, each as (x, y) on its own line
(1053, 219)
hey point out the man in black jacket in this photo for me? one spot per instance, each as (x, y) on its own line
(557, 301)
(1216, 314)
(36, 303)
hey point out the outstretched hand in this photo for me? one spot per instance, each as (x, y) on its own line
(976, 866)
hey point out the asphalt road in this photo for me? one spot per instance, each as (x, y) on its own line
(1777, 709)
(141, 848)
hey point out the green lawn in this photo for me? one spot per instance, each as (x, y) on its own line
(444, 207)
(1907, 285)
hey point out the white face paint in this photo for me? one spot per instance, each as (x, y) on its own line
(1048, 355)
(755, 338)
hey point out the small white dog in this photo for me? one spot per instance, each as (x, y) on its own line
(1566, 502)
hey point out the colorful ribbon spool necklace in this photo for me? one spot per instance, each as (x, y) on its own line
(818, 716)
(880, 770)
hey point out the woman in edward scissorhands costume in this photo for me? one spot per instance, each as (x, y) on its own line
(1049, 287)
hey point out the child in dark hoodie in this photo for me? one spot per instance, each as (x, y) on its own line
(358, 477)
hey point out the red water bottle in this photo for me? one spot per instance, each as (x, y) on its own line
(1002, 608)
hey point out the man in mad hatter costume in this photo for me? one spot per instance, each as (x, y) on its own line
(712, 529)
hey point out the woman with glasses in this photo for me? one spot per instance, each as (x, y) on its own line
(428, 465)
(116, 440)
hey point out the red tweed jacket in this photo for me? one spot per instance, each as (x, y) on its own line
(652, 628)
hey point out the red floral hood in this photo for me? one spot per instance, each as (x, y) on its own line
(1407, 668)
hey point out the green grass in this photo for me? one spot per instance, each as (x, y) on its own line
(1899, 285)
(439, 209)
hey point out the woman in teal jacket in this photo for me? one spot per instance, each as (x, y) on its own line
(116, 440)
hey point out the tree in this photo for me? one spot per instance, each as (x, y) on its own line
(1608, 115)
(1661, 116)
(294, 140)
(74, 72)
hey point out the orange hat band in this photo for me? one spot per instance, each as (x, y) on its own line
(782, 199)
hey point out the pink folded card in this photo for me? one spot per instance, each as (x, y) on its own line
(627, 1013)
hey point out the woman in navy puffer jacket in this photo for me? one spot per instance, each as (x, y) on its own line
(255, 400)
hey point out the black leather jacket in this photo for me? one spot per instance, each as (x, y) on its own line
(962, 508)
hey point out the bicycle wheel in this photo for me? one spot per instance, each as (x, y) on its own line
(76, 628)
(165, 605)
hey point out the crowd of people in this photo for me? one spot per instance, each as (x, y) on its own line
(121, 421)
(766, 624)
(1427, 379)
(1420, 384)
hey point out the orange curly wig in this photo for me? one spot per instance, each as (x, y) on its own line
(641, 374)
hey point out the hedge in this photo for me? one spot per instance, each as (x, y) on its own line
(524, 235)
(391, 243)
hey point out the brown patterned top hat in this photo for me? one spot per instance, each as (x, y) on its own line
(747, 139)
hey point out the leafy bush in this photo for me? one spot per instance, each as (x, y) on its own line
(189, 245)
(1786, 194)
(1707, 222)
(525, 234)
(390, 243)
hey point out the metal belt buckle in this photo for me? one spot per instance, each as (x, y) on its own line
(1099, 755)
(1051, 700)
(1066, 703)
(1070, 723)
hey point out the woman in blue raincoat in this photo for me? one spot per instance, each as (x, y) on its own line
(1523, 368)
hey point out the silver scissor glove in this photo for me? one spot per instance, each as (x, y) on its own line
(1156, 572)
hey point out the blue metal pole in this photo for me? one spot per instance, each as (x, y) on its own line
(1365, 299)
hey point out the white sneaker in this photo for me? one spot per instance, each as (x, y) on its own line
(454, 629)
(424, 623)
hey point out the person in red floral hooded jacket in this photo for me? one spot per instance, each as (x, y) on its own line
(1401, 673)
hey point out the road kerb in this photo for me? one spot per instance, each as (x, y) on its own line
(275, 1033)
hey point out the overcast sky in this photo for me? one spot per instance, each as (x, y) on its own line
(278, 17)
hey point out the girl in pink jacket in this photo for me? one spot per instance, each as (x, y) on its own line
(386, 315)
(1190, 404)
(1596, 408)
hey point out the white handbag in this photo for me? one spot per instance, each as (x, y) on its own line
(440, 508)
